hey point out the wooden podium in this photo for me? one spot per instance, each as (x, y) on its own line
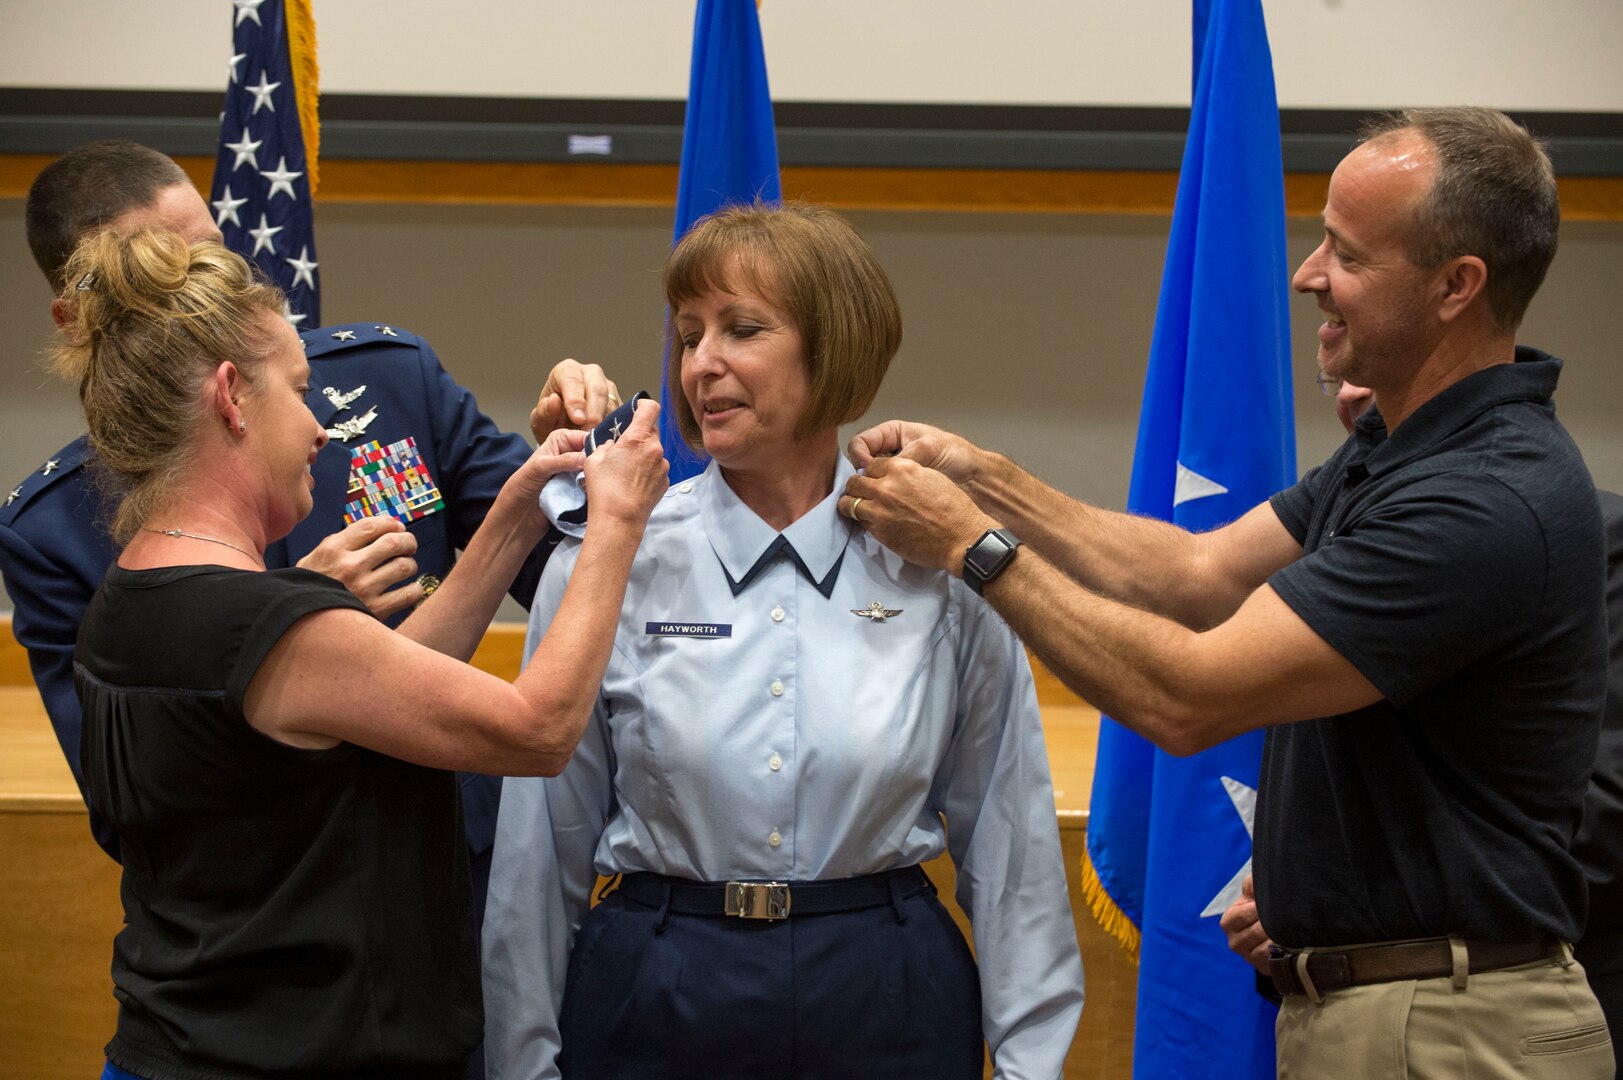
(59, 905)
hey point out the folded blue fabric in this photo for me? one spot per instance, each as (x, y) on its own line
(563, 499)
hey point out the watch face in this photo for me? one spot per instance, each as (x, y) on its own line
(989, 555)
(985, 555)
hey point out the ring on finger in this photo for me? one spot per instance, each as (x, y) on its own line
(856, 501)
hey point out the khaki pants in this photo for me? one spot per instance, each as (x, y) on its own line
(1536, 1021)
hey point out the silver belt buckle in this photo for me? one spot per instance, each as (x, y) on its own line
(757, 899)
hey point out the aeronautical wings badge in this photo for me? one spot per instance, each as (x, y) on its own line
(876, 611)
(341, 401)
(355, 427)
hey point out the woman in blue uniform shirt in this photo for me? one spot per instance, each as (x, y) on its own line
(787, 702)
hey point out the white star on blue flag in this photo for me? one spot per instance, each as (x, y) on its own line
(246, 150)
(226, 208)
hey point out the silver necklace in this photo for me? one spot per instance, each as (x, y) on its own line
(199, 536)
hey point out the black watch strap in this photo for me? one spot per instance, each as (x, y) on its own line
(988, 557)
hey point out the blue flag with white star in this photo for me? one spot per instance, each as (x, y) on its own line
(729, 148)
(262, 178)
(1169, 839)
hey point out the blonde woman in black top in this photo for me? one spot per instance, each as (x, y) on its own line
(275, 760)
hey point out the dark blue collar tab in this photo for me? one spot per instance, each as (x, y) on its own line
(782, 546)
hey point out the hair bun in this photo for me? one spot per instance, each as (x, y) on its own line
(150, 317)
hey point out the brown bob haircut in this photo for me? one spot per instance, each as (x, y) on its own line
(812, 264)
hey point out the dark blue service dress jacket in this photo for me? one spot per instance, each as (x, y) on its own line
(409, 441)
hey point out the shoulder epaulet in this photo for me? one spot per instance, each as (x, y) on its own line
(331, 340)
(65, 462)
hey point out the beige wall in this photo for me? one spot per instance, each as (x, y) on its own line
(1327, 53)
(1027, 332)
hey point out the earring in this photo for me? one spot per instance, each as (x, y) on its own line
(242, 426)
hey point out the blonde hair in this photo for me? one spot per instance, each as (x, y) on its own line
(810, 262)
(150, 319)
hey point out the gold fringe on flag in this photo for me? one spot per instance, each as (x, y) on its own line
(301, 54)
(1110, 918)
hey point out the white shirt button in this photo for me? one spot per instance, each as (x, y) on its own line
(685, 487)
(774, 763)
(777, 688)
(777, 614)
(774, 839)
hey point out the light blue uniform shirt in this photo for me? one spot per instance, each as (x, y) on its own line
(776, 735)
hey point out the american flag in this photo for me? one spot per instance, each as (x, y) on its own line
(263, 175)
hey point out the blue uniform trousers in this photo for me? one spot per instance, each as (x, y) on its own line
(657, 994)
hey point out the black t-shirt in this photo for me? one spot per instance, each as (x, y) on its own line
(1457, 564)
(288, 912)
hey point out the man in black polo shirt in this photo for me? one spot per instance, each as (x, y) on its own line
(1418, 622)
(1599, 844)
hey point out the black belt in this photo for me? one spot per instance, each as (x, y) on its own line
(1430, 958)
(773, 899)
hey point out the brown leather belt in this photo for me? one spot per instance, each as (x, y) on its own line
(1430, 958)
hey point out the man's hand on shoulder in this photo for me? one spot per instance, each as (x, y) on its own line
(367, 557)
(931, 447)
(575, 395)
(915, 511)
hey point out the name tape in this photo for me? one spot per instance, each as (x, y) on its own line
(689, 629)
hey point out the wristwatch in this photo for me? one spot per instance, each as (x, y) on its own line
(988, 557)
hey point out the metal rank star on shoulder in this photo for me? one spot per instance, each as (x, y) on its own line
(613, 425)
(876, 612)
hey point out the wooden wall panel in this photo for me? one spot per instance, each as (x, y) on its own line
(1053, 191)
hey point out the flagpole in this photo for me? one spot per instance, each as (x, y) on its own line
(729, 151)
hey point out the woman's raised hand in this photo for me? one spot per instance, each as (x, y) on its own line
(559, 452)
(625, 478)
